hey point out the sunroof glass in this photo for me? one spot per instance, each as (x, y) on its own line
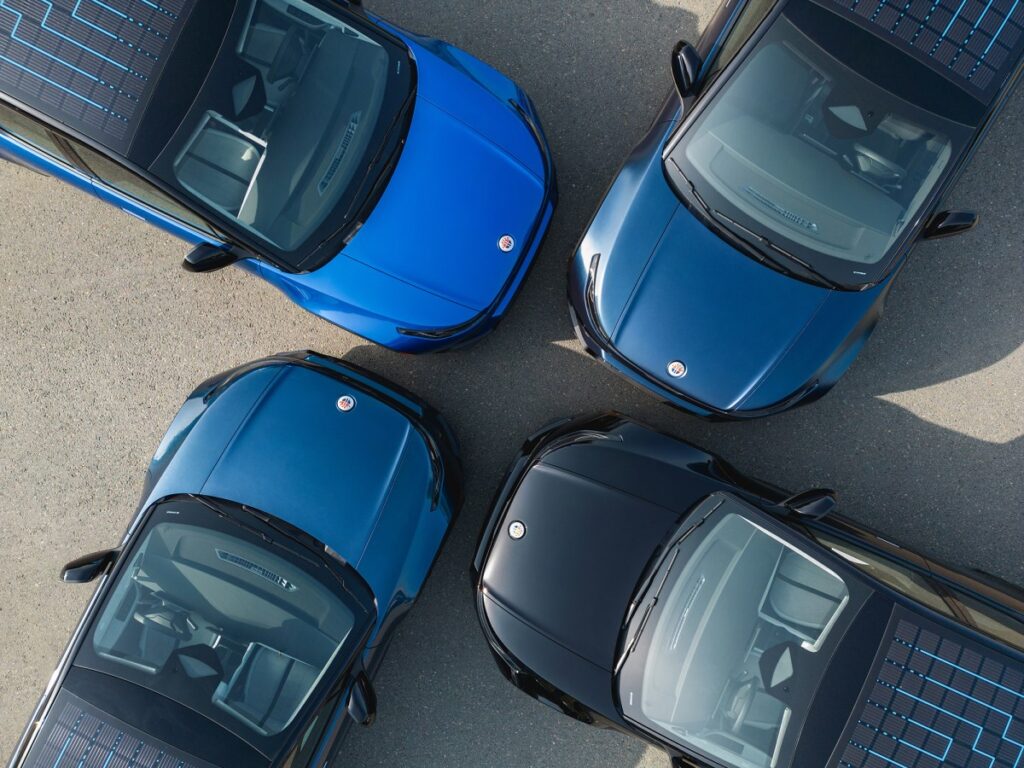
(91, 64)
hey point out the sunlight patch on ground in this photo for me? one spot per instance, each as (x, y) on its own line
(986, 405)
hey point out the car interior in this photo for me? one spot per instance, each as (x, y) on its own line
(805, 146)
(248, 632)
(277, 149)
(730, 647)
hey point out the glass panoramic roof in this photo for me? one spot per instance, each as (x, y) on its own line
(91, 64)
(975, 43)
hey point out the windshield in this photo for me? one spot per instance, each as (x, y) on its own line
(282, 137)
(732, 650)
(222, 616)
(803, 150)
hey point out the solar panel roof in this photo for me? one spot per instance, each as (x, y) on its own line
(935, 703)
(91, 64)
(975, 43)
(76, 734)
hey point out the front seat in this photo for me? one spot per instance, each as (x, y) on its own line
(804, 596)
(267, 689)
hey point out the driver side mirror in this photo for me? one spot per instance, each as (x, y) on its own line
(686, 64)
(362, 700)
(813, 505)
(949, 223)
(209, 258)
(87, 568)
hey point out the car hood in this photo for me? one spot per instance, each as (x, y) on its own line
(274, 439)
(571, 577)
(454, 194)
(729, 319)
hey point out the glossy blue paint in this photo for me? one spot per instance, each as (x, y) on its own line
(365, 483)
(475, 167)
(665, 287)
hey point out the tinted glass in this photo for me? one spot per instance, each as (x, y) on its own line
(279, 140)
(22, 126)
(937, 594)
(120, 178)
(802, 150)
(740, 618)
(225, 621)
(747, 21)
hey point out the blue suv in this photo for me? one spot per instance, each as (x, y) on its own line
(389, 183)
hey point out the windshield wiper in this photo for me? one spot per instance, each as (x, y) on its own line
(672, 551)
(763, 247)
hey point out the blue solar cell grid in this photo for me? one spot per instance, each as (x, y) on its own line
(91, 64)
(84, 738)
(973, 42)
(937, 703)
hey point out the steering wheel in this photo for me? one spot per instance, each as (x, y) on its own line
(878, 166)
(742, 700)
(166, 620)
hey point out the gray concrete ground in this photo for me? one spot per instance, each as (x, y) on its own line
(103, 336)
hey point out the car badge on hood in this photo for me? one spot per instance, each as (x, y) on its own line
(506, 243)
(516, 530)
(676, 369)
(346, 403)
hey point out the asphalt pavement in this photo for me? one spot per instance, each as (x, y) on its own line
(104, 335)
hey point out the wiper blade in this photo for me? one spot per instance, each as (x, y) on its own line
(767, 246)
(672, 551)
(772, 247)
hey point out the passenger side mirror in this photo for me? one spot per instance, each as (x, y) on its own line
(362, 700)
(813, 505)
(209, 258)
(85, 569)
(949, 223)
(686, 64)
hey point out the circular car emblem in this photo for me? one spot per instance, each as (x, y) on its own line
(507, 243)
(346, 403)
(677, 369)
(517, 530)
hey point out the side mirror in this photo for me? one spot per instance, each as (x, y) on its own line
(85, 569)
(686, 64)
(209, 258)
(362, 700)
(949, 223)
(813, 505)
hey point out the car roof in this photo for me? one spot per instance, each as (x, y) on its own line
(78, 733)
(936, 697)
(976, 44)
(91, 65)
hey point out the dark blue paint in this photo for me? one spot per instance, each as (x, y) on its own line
(475, 167)
(361, 482)
(668, 288)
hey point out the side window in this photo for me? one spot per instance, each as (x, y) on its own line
(938, 595)
(899, 577)
(23, 127)
(750, 17)
(990, 621)
(123, 180)
(309, 743)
